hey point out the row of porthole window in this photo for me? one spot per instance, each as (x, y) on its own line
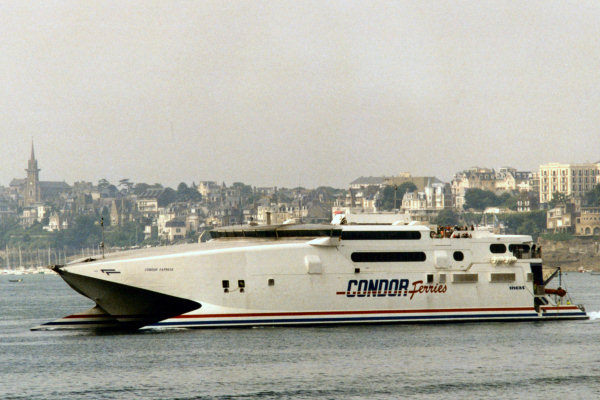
(242, 284)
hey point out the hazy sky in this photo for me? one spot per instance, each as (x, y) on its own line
(295, 93)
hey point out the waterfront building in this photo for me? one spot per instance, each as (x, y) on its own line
(561, 218)
(473, 178)
(121, 211)
(506, 179)
(588, 222)
(425, 205)
(28, 216)
(54, 223)
(207, 187)
(279, 213)
(421, 182)
(523, 205)
(571, 180)
(147, 202)
(174, 229)
(192, 221)
(365, 181)
(509, 179)
(365, 198)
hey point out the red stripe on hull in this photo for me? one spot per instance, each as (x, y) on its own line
(560, 308)
(295, 314)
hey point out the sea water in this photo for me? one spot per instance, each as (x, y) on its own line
(449, 361)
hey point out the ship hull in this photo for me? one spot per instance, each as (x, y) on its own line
(316, 282)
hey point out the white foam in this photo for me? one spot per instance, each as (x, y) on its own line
(594, 315)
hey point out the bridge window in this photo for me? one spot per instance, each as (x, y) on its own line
(519, 250)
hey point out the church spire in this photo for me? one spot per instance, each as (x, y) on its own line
(31, 191)
(32, 165)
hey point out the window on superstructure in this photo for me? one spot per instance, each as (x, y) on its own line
(498, 248)
(381, 235)
(376, 256)
(458, 256)
(519, 250)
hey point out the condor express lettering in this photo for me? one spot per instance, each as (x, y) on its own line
(390, 288)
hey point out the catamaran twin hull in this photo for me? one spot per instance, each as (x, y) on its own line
(325, 274)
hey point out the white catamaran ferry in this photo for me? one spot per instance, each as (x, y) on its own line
(319, 274)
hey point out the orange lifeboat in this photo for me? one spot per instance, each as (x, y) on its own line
(560, 291)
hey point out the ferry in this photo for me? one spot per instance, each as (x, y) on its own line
(298, 275)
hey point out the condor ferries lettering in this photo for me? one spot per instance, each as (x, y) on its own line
(390, 288)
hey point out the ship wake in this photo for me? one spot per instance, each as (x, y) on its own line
(594, 315)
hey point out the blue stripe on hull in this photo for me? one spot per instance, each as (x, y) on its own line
(287, 321)
(343, 320)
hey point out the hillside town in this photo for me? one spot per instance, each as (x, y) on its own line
(559, 199)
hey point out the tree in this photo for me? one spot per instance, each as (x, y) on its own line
(85, 232)
(529, 227)
(511, 203)
(167, 197)
(131, 233)
(529, 223)
(446, 217)
(185, 193)
(392, 193)
(103, 184)
(557, 199)
(126, 185)
(479, 199)
(592, 198)
(140, 188)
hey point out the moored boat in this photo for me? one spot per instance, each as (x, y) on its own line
(320, 274)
